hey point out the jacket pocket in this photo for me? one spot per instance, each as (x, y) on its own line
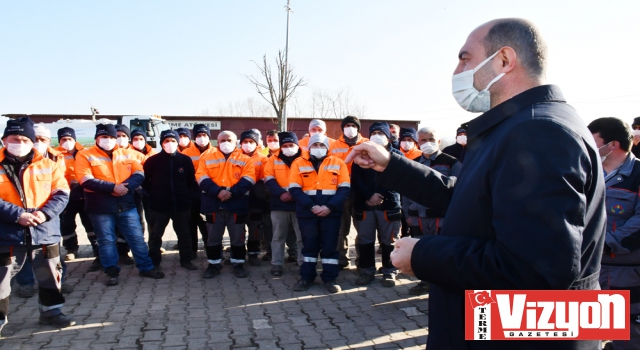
(392, 215)
(359, 215)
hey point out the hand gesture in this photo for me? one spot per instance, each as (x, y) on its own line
(369, 155)
(401, 255)
(120, 190)
(224, 195)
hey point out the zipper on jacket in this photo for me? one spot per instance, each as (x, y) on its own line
(173, 195)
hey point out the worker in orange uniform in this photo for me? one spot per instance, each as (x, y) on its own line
(194, 150)
(225, 177)
(319, 183)
(109, 176)
(316, 126)
(258, 196)
(341, 148)
(33, 193)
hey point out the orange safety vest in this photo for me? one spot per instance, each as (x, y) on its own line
(304, 143)
(94, 163)
(225, 172)
(259, 161)
(42, 178)
(332, 174)
(150, 151)
(276, 169)
(69, 162)
(194, 153)
(413, 153)
(339, 148)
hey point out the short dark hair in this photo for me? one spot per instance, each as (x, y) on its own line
(272, 133)
(613, 129)
(522, 36)
(395, 126)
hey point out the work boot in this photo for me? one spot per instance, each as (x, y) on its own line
(211, 271)
(267, 257)
(239, 271)
(420, 288)
(66, 288)
(25, 291)
(153, 273)
(188, 265)
(71, 255)
(332, 287)
(113, 273)
(254, 260)
(302, 285)
(364, 279)
(292, 259)
(60, 320)
(126, 260)
(276, 270)
(96, 265)
(388, 281)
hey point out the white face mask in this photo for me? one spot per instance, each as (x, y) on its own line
(605, 156)
(69, 145)
(379, 139)
(462, 139)
(19, 149)
(318, 152)
(202, 141)
(636, 132)
(107, 144)
(273, 145)
(227, 147)
(407, 145)
(170, 147)
(429, 147)
(123, 142)
(466, 95)
(291, 151)
(350, 132)
(41, 147)
(311, 133)
(138, 144)
(184, 141)
(249, 147)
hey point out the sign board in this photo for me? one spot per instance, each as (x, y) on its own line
(174, 124)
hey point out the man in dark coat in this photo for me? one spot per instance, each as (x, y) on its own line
(527, 211)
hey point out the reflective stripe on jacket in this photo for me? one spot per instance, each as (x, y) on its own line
(70, 172)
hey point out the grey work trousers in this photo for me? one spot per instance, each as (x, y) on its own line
(281, 220)
(375, 224)
(235, 225)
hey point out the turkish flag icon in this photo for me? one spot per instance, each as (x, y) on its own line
(480, 298)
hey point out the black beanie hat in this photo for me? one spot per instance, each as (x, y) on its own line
(123, 128)
(286, 136)
(66, 131)
(381, 126)
(350, 119)
(183, 132)
(139, 132)
(167, 134)
(201, 128)
(249, 134)
(461, 130)
(21, 126)
(106, 129)
(408, 132)
(636, 121)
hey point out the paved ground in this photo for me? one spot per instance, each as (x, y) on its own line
(183, 310)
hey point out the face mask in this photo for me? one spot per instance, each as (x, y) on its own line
(170, 147)
(603, 146)
(273, 145)
(291, 151)
(311, 133)
(107, 144)
(467, 96)
(202, 141)
(462, 139)
(19, 149)
(69, 145)
(122, 142)
(318, 152)
(138, 144)
(406, 145)
(248, 147)
(394, 137)
(350, 132)
(379, 139)
(227, 147)
(636, 132)
(184, 141)
(41, 147)
(429, 147)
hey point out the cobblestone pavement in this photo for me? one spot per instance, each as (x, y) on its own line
(183, 310)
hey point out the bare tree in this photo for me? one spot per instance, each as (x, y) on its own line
(325, 105)
(276, 92)
(246, 108)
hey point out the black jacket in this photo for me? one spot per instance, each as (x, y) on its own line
(526, 212)
(169, 179)
(363, 186)
(456, 150)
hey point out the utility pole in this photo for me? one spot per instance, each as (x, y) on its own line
(286, 69)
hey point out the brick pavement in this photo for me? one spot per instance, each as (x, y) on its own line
(183, 310)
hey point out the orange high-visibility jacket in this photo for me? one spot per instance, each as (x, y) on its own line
(150, 151)
(276, 178)
(329, 186)
(339, 148)
(194, 153)
(413, 153)
(70, 173)
(304, 143)
(235, 174)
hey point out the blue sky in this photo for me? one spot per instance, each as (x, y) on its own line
(395, 57)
